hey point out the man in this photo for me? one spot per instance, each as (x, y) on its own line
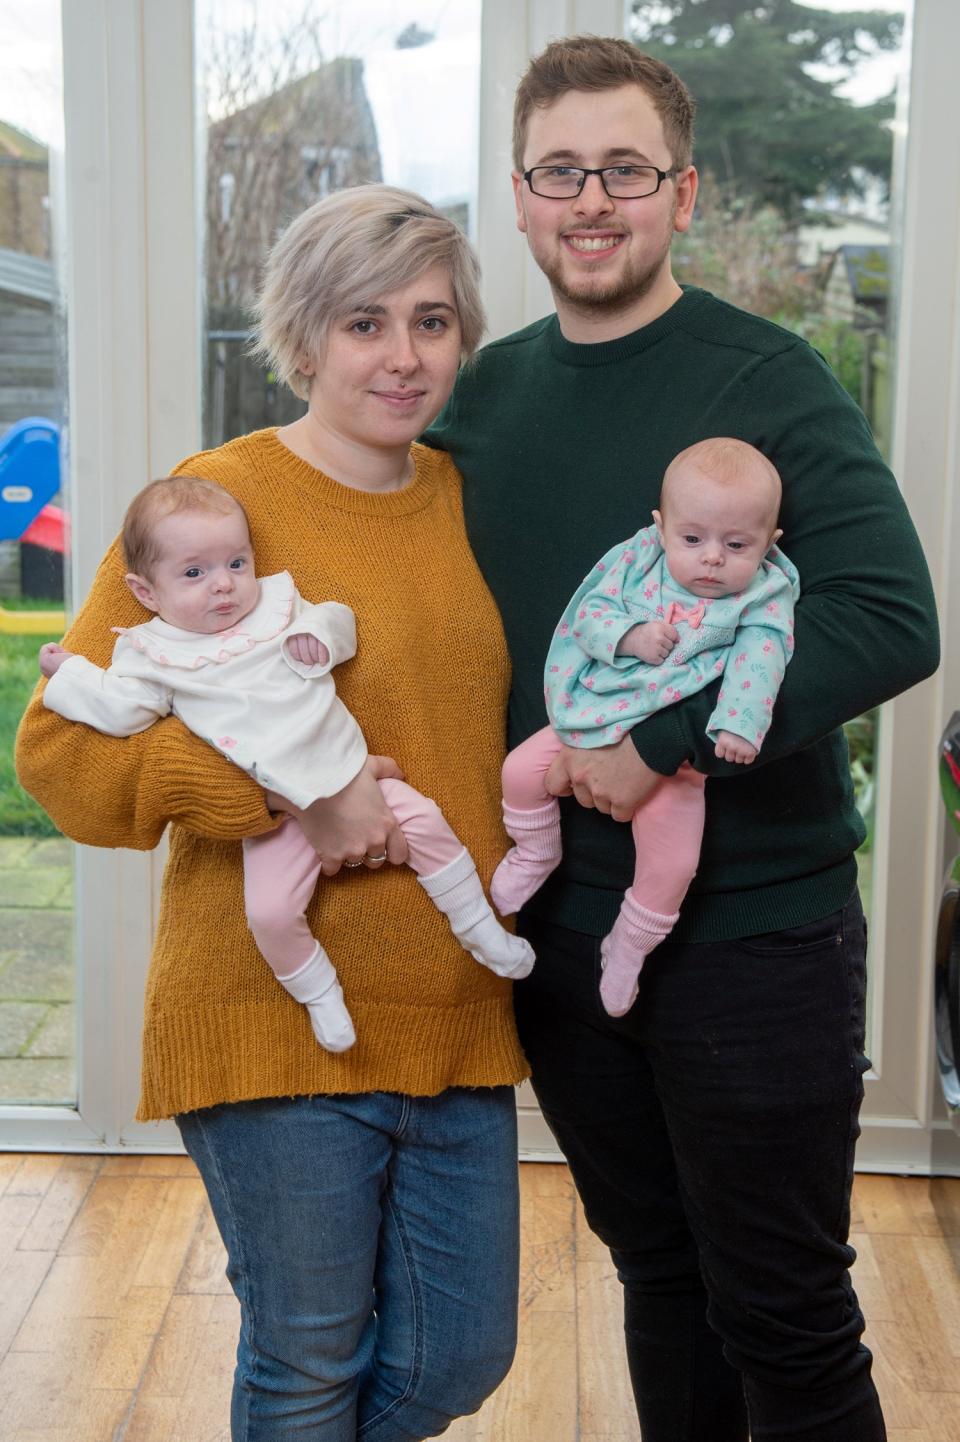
(711, 1130)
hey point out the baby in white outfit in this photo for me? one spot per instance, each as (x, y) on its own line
(245, 664)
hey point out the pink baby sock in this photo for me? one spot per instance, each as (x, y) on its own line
(635, 933)
(527, 865)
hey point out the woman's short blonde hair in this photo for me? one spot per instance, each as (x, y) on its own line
(349, 250)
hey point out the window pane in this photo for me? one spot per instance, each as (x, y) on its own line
(304, 100)
(796, 107)
(37, 1044)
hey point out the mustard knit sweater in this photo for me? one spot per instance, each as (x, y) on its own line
(428, 686)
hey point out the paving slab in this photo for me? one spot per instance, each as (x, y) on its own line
(36, 887)
(14, 850)
(35, 935)
(19, 1020)
(26, 1080)
(41, 977)
(57, 1035)
(53, 851)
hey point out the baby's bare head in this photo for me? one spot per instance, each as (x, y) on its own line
(741, 479)
(142, 546)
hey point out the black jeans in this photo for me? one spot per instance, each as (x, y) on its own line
(710, 1133)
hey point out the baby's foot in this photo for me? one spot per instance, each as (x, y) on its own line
(316, 987)
(507, 955)
(635, 933)
(518, 877)
(619, 984)
(331, 1021)
(527, 865)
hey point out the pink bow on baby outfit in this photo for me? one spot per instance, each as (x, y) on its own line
(692, 615)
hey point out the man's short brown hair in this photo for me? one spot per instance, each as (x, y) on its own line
(597, 62)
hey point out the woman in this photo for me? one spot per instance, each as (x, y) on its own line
(367, 1199)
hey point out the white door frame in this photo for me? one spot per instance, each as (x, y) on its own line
(134, 283)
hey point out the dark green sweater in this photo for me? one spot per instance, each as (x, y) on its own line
(562, 448)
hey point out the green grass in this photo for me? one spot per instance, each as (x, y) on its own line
(19, 813)
(30, 603)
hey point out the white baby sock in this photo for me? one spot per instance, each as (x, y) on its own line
(456, 891)
(317, 987)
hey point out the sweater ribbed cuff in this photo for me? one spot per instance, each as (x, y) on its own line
(222, 804)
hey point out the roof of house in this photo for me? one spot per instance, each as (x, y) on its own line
(868, 271)
(26, 275)
(20, 144)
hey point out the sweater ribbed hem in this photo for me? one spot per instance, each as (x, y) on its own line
(242, 1053)
(708, 918)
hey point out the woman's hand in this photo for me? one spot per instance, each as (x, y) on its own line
(356, 826)
(612, 778)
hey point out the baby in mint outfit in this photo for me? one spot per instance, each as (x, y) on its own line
(702, 593)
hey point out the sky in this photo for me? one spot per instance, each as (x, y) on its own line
(428, 93)
(876, 77)
(30, 67)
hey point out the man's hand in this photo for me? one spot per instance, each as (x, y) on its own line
(307, 649)
(52, 657)
(650, 641)
(355, 825)
(734, 748)
(611, 778)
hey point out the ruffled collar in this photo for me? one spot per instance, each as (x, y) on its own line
(167, 645)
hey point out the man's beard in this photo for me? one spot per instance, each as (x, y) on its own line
(593, 293)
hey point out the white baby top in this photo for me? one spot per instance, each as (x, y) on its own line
(240, 690)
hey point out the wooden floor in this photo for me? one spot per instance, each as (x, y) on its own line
(116, 1323)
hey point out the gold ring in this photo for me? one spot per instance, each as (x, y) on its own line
(376, 858)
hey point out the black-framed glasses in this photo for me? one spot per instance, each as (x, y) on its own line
(621, 182)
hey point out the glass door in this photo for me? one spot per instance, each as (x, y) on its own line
(301, 101)
(37, 973)
(820, 209)
(143, 352)
(796, 216)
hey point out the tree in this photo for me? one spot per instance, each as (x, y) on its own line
(766, 122)
(739, 249)
(286, 126)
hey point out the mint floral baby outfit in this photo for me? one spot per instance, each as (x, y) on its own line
(594, 696)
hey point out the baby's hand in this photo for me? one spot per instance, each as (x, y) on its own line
(651, 641)
(308, 650)
(52, 658)
(734, 748)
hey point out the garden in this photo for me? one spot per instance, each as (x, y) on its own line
(19, 813)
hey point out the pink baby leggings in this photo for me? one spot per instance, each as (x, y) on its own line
(281, 869)
(667, 828)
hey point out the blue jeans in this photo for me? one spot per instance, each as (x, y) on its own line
(373, 1245)
(710, 1133)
